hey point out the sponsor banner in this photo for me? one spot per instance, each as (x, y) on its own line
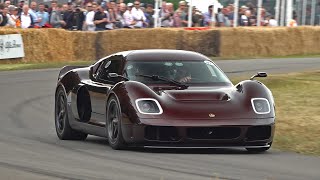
(11, 46)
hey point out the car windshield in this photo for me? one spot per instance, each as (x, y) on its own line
(186, 72)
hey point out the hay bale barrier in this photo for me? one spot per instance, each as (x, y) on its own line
(205, 42)
(269, 42)
(83, 46)
(45, 45)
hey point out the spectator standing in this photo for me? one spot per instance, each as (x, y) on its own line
(6, 19)
(32, 12)
(110, 19)
(7, 3)
(56, 19)
(89, 16)
(166, 16)
(293, 22)
(195, 18)
(100, 19)
(42, 15)
(76, 19)
(25, 18)
(20, 6)
(67, 12)
(271, 21)
(13, 11)
(182, 15)
(120, 12)
(227, 22)
(220, 18)
(138, 15)
(149, 15)
(230, 15)
(128, 18)
(208, 20)
(3, 18)
(54, 5)
(246, 18)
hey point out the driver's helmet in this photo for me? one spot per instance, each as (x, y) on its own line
(181, 71)
(131, 71)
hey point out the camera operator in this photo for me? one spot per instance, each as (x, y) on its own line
(76, 19)
(166, 14)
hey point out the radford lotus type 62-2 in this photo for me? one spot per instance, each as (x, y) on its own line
(163, 98)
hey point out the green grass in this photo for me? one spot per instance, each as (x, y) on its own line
(297, 98)
(24, 66)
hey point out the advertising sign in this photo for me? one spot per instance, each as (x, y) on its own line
(11, 46)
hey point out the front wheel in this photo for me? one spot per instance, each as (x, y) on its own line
(114, 133)
(63, 128)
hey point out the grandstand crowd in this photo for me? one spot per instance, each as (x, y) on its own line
(92, 15)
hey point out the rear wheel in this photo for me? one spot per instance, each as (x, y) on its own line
(114, 132)
(63, 128)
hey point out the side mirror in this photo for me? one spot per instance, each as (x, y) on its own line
(259, 74)
(115, 75)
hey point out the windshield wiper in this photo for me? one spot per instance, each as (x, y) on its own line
(157, 78)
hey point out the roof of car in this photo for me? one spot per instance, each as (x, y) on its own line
(162, 54)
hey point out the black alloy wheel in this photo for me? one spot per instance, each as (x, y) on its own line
(114, 133)
(63, 128)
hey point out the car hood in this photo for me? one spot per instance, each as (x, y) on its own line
(199, 102)
(196, 103)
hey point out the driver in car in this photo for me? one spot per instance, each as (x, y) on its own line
(183, 75)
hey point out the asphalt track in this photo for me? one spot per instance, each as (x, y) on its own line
(30, 149)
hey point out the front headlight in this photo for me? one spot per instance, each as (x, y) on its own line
(260, 105)
(148, 106)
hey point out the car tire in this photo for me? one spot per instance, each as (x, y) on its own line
(63, 128)
(259, 150)
(113, 122)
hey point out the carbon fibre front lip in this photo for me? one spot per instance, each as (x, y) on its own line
(204, 147)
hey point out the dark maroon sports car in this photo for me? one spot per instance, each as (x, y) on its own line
(163, 98)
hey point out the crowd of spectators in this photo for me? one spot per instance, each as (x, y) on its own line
(97, 15)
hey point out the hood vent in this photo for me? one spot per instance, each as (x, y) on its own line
(192, 95)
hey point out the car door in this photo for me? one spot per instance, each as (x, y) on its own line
(99, 85)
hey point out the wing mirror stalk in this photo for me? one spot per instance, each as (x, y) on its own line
(115, 75)
(259, 74)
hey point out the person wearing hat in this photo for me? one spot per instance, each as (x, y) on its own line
(128, 18)
(138, 15)
(14, 17)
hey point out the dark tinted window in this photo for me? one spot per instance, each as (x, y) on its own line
(109, 66)
(199, 71)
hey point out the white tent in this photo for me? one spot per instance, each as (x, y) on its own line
(202, 5)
